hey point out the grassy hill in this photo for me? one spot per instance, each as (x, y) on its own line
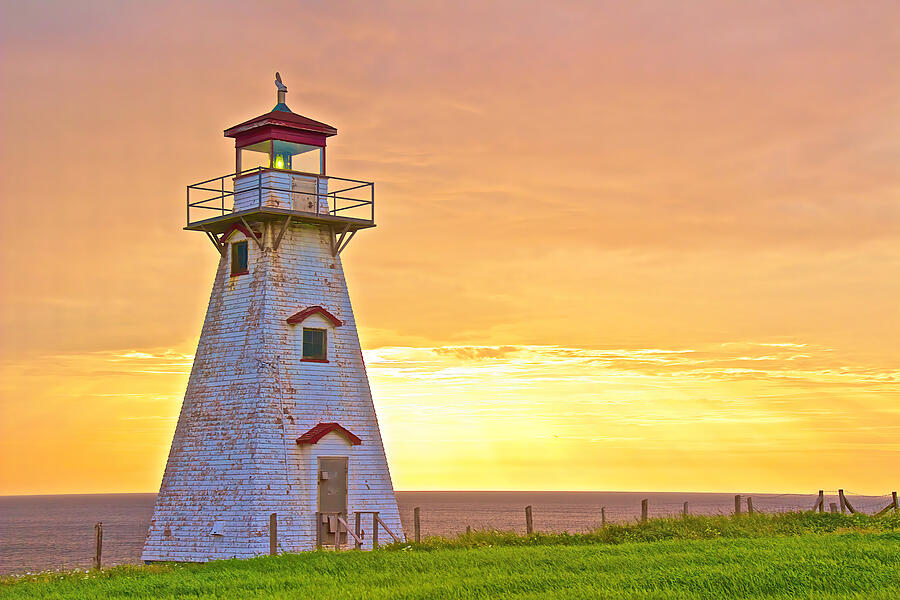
(780, 556)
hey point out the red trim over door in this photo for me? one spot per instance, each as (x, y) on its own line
(322, 429)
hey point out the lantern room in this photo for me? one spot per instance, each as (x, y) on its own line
(279, 175)
(280, 139)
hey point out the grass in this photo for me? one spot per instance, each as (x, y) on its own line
(779, 556)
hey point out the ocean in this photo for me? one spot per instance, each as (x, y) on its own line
(39, 533)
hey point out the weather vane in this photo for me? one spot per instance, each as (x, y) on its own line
(282, 91)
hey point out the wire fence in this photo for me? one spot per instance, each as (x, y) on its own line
(40, 533)
(579, 513)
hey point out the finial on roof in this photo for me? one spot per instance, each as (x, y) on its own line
(282, 92)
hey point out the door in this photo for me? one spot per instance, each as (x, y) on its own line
(332, 499)
(304, 194)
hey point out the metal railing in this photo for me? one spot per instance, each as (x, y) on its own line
(263, 187)
(332, 529)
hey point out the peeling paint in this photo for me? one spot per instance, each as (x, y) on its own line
(233, 458)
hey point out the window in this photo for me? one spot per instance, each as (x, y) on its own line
(239, 258)
(314, 345)
(277, 154)
(253, 157)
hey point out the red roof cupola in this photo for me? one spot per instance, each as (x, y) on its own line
(283, 125)
(281, 135)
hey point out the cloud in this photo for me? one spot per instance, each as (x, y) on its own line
(759, 361)
(476, 353)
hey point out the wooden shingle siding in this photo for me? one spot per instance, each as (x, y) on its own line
(234, 457)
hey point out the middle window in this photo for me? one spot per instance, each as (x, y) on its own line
(314, 344)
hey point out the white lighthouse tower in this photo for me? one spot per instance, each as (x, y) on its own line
(277, 440)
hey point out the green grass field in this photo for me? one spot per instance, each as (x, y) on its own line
(785, 556)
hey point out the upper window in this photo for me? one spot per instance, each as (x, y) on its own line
(239, 262)
(314, 344)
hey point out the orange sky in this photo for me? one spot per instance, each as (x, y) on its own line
(644, 245)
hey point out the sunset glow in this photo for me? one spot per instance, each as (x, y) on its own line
(618, 247)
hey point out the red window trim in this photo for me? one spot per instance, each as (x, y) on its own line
(315, 360)
(239, 274)
(299, 317)
(238, 227)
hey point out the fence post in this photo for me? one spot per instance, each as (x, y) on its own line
(834, 508)
(358, 529)
(820, 503)
(644, 509)
(98, 545)
(841, 500)
(749, 505)
(468, 530)
(737, 505)
(529, 524)
(602, 516)
(374, 530)
(896, 502)
(318, 531)
(273, 534)
(846, 502)
(890, 507)
(684, 511)
(417, 523)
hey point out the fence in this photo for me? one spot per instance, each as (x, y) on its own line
(349, 535)
(543, 515)
(743, 504)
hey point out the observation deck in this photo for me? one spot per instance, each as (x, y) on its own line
(281, 195)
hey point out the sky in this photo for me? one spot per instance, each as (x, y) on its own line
(620, 246)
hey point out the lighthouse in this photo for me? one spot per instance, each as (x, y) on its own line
(277, 446)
